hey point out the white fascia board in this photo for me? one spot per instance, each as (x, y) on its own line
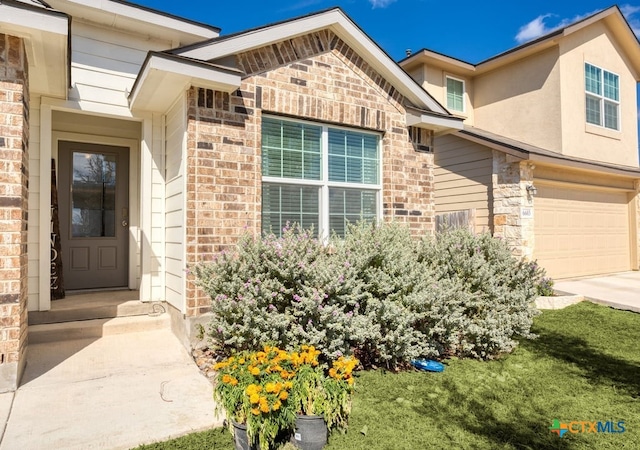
(23, 21)
(123, 10)
(162, 79)
(339, 24)
(439, 124)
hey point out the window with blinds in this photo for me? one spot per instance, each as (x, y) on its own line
(455, 94)
(318, 176)
(602, 97)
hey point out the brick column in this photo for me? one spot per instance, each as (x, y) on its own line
(14, 130)
(510, 199)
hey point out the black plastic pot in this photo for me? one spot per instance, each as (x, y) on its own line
(311, 433)
(240, 438)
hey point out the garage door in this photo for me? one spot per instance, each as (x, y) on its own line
(581, 232)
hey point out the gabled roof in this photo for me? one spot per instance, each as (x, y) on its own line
(135, 18)
(339, 23)
(532, 153)
(612, 16)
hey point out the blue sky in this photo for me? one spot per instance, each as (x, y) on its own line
(468, 30)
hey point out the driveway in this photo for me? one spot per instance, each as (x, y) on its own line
(620, 290)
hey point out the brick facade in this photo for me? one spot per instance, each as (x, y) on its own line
(314, 77)
(14, 130)
(510, 197)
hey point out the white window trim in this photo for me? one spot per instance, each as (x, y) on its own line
(324, 184)
(464, 94)
(601, 98)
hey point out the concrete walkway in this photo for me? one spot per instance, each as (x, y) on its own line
(621, 290)
(115, 392)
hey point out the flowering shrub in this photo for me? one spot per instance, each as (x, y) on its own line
(266, 389)
(378, 293)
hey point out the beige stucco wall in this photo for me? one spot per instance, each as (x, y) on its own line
(433, 79)
(520, 101)
(596, 46)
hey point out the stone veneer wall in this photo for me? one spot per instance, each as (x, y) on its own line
(14, 131)
(314, 77)
(510, 180)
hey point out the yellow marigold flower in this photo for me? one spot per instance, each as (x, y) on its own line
(255, 411)
(253, 389)
(333, 372)
(233, 381)
(254, 371)
(220, 365)
(288, 384)
(241, 361)
(283, 395)
(276, 405)
(226, 378)
(254, 398)
(278, 388)
(270, 387)
(304, 347)
(264, 408)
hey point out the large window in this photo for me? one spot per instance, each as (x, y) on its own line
(318, 176)
(455, 94)
(602, 97)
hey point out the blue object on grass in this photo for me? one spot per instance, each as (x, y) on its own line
(428, 365)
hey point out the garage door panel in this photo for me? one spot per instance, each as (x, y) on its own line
(581, 232)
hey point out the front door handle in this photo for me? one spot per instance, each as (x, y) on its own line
(125, 223)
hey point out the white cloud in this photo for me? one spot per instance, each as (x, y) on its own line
(380, 3)
(630, 13)
(533, 29)
(539, 27)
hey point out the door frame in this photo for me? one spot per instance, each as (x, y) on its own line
(134, 205)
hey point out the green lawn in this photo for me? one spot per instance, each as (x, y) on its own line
(584, 366)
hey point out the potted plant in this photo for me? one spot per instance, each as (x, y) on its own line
(323, 398)
(252, 388)
(266, 394)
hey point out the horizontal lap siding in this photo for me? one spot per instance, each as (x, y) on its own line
(174, 205)
(105, 63)
(462, 178)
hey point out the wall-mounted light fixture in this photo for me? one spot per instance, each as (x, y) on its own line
(532, 190)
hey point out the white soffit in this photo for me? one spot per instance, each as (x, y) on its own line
(45, 35)
(440, 124)
(342, 26)
(164, 77)
(137, 19)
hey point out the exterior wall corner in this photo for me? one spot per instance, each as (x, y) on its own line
(14, 175)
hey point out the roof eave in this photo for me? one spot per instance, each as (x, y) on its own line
(163, 77)
(46, 36)
(138, 19)
(334, 19)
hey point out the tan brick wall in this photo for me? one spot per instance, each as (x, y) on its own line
(314, 77)
(14, 130)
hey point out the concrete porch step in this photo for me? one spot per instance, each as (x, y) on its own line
(96, 328)
(93, 311)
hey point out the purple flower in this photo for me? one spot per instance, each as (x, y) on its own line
(297, 298)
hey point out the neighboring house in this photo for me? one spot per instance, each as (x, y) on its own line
(548, 157)
(165, 157)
